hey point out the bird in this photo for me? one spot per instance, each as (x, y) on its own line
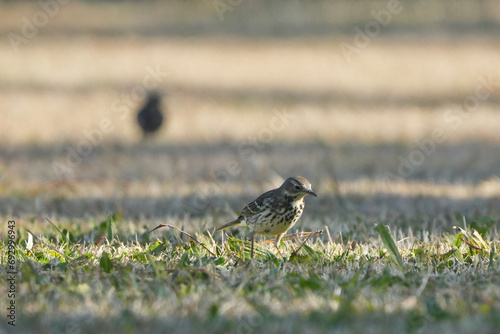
(275, 211)
(150, 117)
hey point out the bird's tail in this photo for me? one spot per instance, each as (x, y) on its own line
(230, 224)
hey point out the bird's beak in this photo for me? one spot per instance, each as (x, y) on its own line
(310, 192)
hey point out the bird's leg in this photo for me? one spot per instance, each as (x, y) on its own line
(277, 242)
(277, 248)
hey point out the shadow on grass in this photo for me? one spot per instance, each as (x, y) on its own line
(466, 162)
(316, 321)
(129, 322)
(326, 208)
(269, 95)
(268, 27)
(192, 180)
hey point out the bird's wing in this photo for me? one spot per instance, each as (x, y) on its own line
(259, 205)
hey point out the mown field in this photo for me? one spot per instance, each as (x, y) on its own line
(399, 140)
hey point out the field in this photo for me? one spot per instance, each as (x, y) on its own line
(399, 139)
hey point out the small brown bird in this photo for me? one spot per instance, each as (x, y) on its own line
(275, 211)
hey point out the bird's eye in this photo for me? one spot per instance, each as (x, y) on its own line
(297, 188)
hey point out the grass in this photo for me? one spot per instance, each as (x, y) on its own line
(389, 258)
(110, 277)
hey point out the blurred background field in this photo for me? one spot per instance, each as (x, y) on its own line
(352, 123)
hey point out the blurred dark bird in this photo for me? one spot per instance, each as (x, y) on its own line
(150, 117)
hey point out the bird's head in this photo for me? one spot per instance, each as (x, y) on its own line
(297, 186)
(154, 98)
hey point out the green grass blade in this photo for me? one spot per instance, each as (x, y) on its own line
(109, 229)
(388, 241)
(105, 263)
(492, 256)
(58, 230)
